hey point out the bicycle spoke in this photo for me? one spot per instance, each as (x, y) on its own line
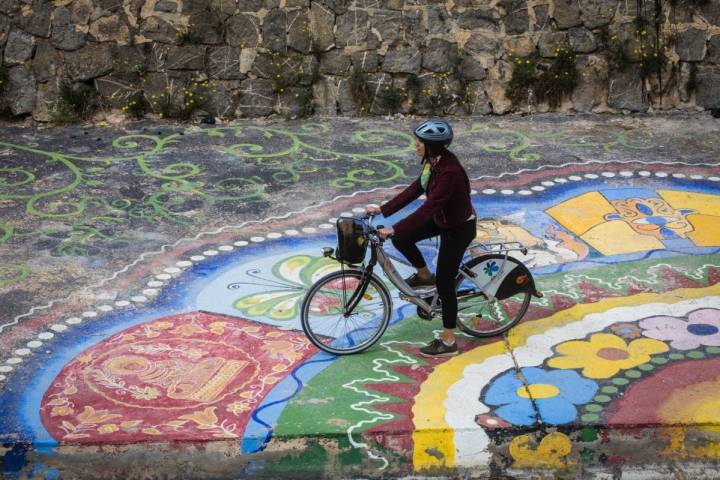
(337, 333)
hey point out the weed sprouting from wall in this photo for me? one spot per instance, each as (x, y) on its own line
(76, 101)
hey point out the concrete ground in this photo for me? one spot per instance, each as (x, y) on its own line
(151, 276)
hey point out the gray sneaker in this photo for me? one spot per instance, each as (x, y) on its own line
(416, 281)
(437, 348)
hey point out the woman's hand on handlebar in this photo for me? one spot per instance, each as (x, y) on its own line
(386, 233)
(373, 210)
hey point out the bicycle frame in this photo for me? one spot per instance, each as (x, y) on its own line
(378, 255)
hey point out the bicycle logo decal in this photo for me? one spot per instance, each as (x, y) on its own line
(491, 269)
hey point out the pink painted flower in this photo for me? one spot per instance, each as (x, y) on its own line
(702, 327)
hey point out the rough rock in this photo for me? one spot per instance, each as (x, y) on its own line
(338, 6)
(166, 6)
(224, 8)
(519, 46)
(128, 58)
(334, 62)
(352, 28)
(325, 96)
(498, 77)
(687, 71)
(19, 48)
(209, 27)
(242, 30)
(365, 61)
(482, 42)
(471, 68)
(46, 99)
(626, 92)
(596, 13)
(299, 37)
(64, 34)
(710, 11)
(440, 55)
(20, 91)
(549, 41)
(117, 87)
(110, 29)
(407, 60)
(295, 102)
(250, 5)
(691, 44)
(516, 16)
(477, 99)
(274, 30)
(387, 23)
(159, 30)
(438, 22)
(413, 26)
(485, 18)
(186, 57)
(223, 102)
(567, 14)
(582, 40)
(322, 24)
(224, 63)
(36, 19)
(257, 98)
(592, 85)
(714, 49)
(4, 29)
(80, 11)
(708, 86)
(542, 16)
(89, 62)
(47, 62)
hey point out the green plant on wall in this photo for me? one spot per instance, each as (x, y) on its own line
(522, 83)
(136, 105)
(546, 82)
(436, 95)
(360, 90)
(643, 51)
(287, 72)
(181, 103)
(189, 35)
(560, 80)
(390, 98)
(76, 101)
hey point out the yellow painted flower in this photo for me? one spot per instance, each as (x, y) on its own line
(108, 428)
(605, 354)
(551, 452)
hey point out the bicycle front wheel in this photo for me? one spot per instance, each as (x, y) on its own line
(480, 317)
(328, 327)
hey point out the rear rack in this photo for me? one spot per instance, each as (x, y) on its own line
(498, 247)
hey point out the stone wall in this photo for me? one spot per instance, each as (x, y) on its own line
(292, 56)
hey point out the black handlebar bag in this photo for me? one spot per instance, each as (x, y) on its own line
(352, 240)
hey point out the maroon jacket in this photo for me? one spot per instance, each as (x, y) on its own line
(448, 199)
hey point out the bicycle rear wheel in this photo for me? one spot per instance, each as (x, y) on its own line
(480, 317)
(323, 313)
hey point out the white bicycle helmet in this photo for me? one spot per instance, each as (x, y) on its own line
(437, 131)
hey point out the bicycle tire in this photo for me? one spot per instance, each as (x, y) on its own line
(323, 334)
(485, 325)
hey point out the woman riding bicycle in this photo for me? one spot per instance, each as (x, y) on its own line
(447, 212)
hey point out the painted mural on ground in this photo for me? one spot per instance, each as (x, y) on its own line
(630, 276)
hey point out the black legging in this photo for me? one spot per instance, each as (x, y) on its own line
(453, 243)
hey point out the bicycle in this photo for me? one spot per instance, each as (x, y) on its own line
(347, 311)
